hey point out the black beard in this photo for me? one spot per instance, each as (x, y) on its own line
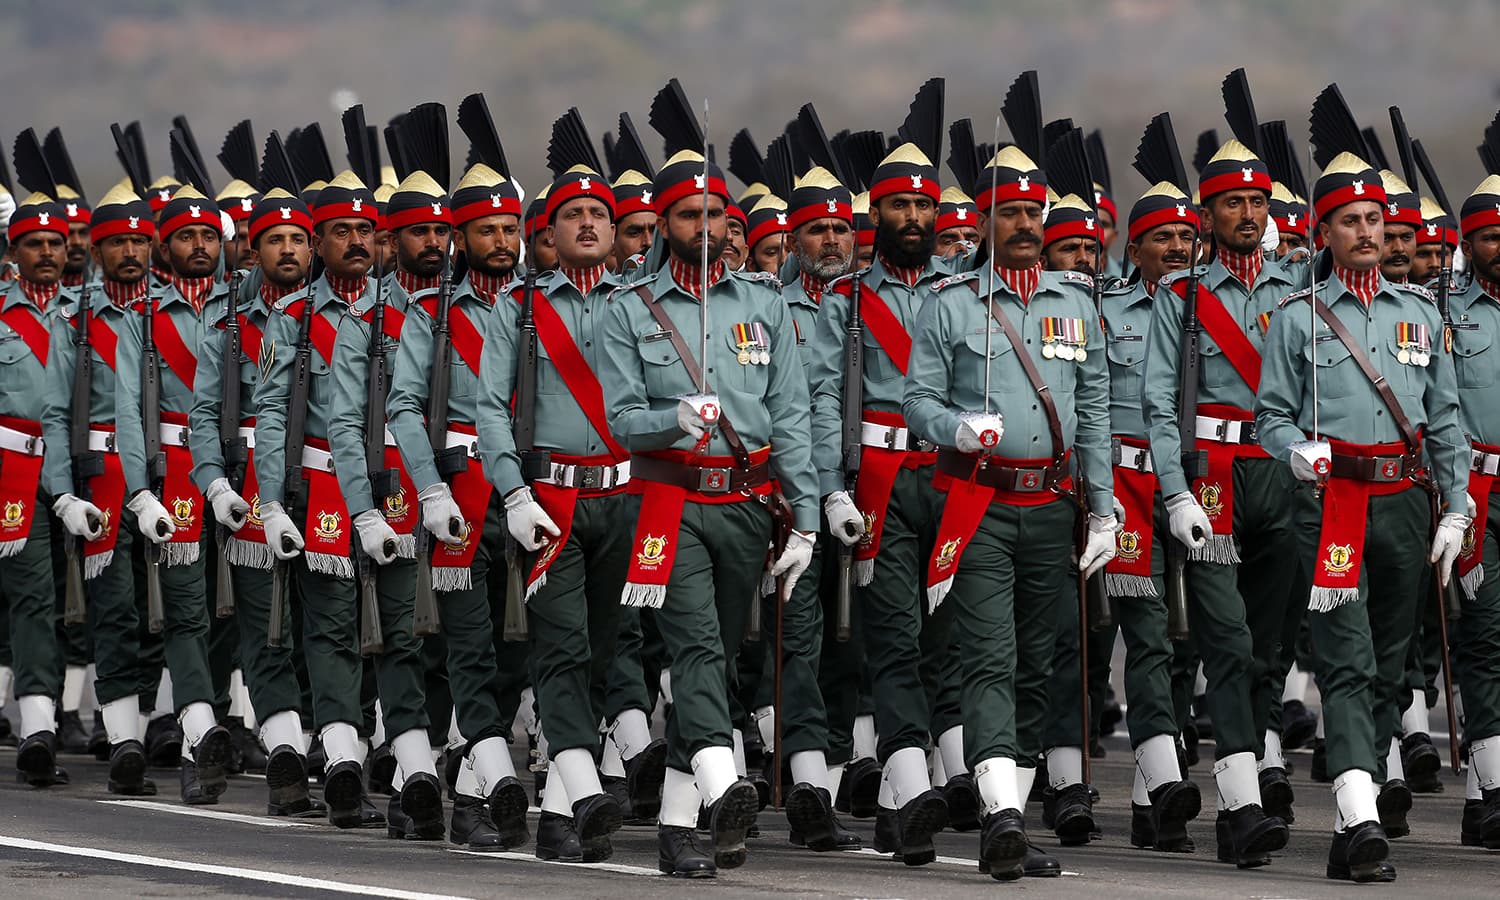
(693, 256)
(888, 243)
(421, 268)
(274, 276)
(483, 266)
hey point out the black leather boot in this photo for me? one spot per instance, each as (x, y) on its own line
(127, 771)
(472, 827)
(679, 855)
(1247, 836)
(422, 803)
(1359, 854)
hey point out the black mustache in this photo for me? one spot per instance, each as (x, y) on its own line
(1175, 258)
(1022, 237)
(1397, 259)
(356, 253)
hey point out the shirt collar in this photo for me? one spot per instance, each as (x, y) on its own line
(689, 278)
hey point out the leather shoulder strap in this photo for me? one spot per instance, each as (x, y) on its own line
(664, 321)
(1382, 387)
(1043, 393)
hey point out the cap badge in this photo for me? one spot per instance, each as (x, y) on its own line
(833, 206)
(164, 195)
(494, 200)
(1393, 208)
(698, 182)
(44, 218)
(585, 184)
(1359, 188)
(437, 209)
(1025, 183)
(916, 182)
(1432, 229)
(1088, 223)
(1247, 173)
(245, 204)
(781, 218)
(135, 222)
(286, 212)
(646, 197)
(962, 214)
(196, 211)
(1181, 211)
(72, 210)
(358, 204)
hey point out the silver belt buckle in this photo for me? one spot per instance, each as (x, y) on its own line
(1388, 468)
(1221, 431)
(714, 479)
(889, 437)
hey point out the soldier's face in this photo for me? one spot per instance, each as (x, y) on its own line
(1016, 234)
(959, 239)
(384, 248)
(769, 253)
(39, 255)
(1107, 229)
(1354, 234)
(904, 226)
(193, 250)
(284, 254)
(543, 253)
(1482, 247)
(683, 226)
(1400, 241)
(492, 244)
(78, 248)
(825, 247)
(1074, 254)
(346, 246)
(583, 231)
(1427, 262)
(421, 248)
(1290, 240)
(1163, 249)
(123, 257)
(735, 249)
(864, 254)
(1237, 219)
(633, 234)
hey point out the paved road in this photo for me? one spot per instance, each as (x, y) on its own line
(79, 841)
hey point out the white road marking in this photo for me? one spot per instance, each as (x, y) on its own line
(945, 860)
(261, 875)
(267, 821)
(617, 868)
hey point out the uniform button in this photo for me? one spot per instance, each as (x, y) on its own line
(588, 343)
(1127, 327)
(1033, 407)
(1379, 412)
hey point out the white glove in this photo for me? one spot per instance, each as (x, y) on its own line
(230, 509)
(280, 531)
(376, 537)
(523, 516)
(1099, 548)
(696, 413)
(151, 517)
(81, 518)
(1119, 514)
(439, 512)
(7, 206)
(1187, 521)
(1446, 544)
(1311, 460)
(844, 518)
(794, 560)
(1470, 508)
(979, 432)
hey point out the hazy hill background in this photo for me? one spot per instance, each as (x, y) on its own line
(1109, 64)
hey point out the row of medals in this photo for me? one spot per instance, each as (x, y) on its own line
(1413, 355)
(751, 355)
(1055, 347)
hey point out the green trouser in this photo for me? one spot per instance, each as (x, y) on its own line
(1236, 612)
(270, 675)
(26, 587)
(468, 618)
(574, 619)
(715, 576)
(1148, 651)
(439, 700)
(185, 609)
(399, 667)
(1013, 579)
(804, 721)
(894, 609)
(942, 672)
(840, 669)
(1477, 650)
(1424, 658)
(117, 616)
(634, 677)
(72, 640)
(330, 640)
(1361, 645)
(1061, 716)
(1292, 627)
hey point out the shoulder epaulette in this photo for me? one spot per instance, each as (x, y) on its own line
(768, 278)
(953, 279)
(1295, 295)
(286, 301)
(1169, 277)
(1079, 277)
(1417, 289)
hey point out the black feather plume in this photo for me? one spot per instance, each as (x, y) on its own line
(1334, 130)
(479, 127)
(1157, 156)
(612, 157)
(1208, 144)
(1489, 151)
(865, 150)
(815, 141)
(571, 145)
(963, 154)
(780, 168)
(1281, 157)
(310, 153)
(1093, 142)
(924, 119)
(1239, 111)
(1377, 151)
(1429, 174)
(801, 162)
(32, 169)
(424, 135)
(672, 117)
(1403, 149)
(276, 169)
(1022, 110)
(5, 180)
(395, 148)
(135, 137)
(631, 150)
(1053, 132)
(1068, 166)
(357, 146)
(140, 180)
(61, 161)
(190, 145)
(238, 154)
(745, 160)
(185, 166)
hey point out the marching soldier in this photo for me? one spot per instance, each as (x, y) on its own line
(1437, 237)
(1361, 526)
(1232, 510)
(707, 436)
(957, 225)
(37, 234)
(1004, 543)
(736, 245)
(1070, 241)
(1403, 219)
(1289, 211)
(767, 234)
(489, 811)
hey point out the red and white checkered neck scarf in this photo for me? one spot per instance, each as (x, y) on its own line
(690, 277)
(350, 289)
(1361, 284)
(813, 286)
(39, 294)
(1023, 281)
(271, 293)
(906, 276)
(414, 283)
(126, 295)
(1489, 287)
(1245, 267)
(194, 290)
(584, 279)
(488, 287)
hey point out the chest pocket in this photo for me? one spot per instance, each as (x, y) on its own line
(1475, 369)
(1404, 379)
(666, 376)
(548, 379)
(1127, 366)
(1216, 370)
(1338, 374)
(749, 378)
(879, 367)
(969, 362)
(12, 349)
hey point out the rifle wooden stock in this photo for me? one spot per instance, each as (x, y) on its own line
(86, 464)
(223, 576)
(515, 625)
(280, 570)
(292, 484)
(156, 459)
(853, 449)
(235, 449)
(371, 630)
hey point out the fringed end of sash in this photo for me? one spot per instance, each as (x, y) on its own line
(452, 578)
(11, 548)
(1471, 581)
(328, 564)
(1129, 585)
(250, 554)
(1219, 549)
(537, 585)
(94, 565)
(864, 572)
(173, 554)
(651, 596)
(767, 583)
(936, 594)
(1325, 599)
(406, 546)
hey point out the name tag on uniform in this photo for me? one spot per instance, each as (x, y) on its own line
(1325, 338)
(656, 336)
(1128, 338)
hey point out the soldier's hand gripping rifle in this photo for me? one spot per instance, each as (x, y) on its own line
(234, 448)
(853, 412)
(450, 460)
(292, 484)
(534, 463)
(384, 481)
(156, 458)
(87, 464)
